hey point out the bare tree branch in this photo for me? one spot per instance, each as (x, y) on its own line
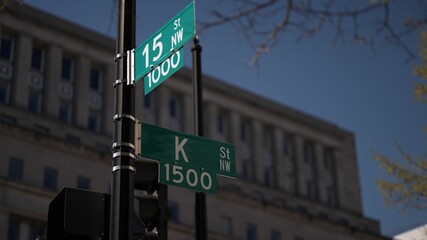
(262, 22)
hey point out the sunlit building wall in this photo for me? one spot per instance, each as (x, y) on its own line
(418, 233)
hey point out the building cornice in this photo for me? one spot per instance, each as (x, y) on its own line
(42, 18)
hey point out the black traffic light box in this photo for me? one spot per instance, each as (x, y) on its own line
(153, 209)
(76, 214)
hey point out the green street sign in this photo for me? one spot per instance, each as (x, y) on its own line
(163, 71)
(167, 40)
(186, 160)
(167, 145)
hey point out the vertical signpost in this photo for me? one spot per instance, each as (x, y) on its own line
(200, 197)
(122, 183)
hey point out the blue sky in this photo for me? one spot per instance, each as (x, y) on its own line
(347, 85)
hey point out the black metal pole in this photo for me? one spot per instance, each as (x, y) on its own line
(122, 183)
(200, 209)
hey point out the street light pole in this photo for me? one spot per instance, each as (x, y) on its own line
(200, 208)
(122, 183)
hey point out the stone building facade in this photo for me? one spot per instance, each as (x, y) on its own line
(297, 176)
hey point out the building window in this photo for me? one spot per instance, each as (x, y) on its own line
(311, 190)
(331, 196)
(37, 58)
(223, 125)
(50, 179)
(288, 146)
(244, 131)
(309, 168)
(275, 235)
(226, 226)
(4, 92)
(65, 111)
(16, 169)
(251, 232)
(67, 69)
(290, 176)
(245, 170)
(268, 177)
(174, 208)
(34, 101)
(328, 160)
(95, 100)
(248, 172)
(175, 107)
(172, 108)
(94, 120)
(95, 79)
(24, 229)
(220, 123)
(13, 230)
(308, 153)
(150, 113)
(175, 112)
(148, 101)
(329, 173)
(83, 182)
(6, 48)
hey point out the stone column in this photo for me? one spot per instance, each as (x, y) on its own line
(319, 172)
(299, 166)
(53, 75)
(279, 165)
(258, 164)
(234, 139)
(334, 177)
(81, 90)
(21, 71)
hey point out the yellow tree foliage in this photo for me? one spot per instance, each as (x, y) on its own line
(421, 70)
(408, 184)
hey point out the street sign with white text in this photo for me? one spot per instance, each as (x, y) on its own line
(165, 144)
(167, 40)
(163, 71)
(187, 160)
(187, 176)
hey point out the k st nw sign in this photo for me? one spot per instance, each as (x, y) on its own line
(153, 55)
(186, 160)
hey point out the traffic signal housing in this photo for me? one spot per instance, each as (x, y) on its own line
(76, 214)
(152, 199)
